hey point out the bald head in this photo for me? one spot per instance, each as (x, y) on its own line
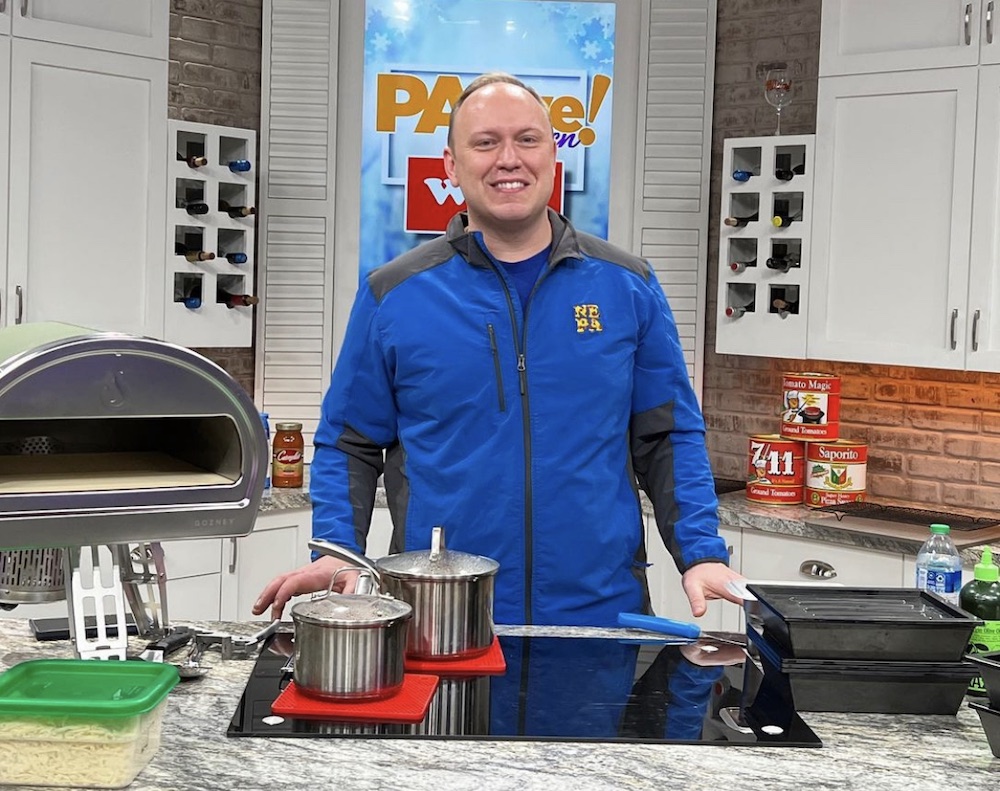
(492, 78)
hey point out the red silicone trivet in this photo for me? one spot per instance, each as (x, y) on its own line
(490, 663)
(409, 705)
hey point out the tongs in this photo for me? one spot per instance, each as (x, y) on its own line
(235, 646)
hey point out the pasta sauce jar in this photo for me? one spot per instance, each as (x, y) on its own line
(287, 456)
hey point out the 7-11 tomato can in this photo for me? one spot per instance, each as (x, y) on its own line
(836, 473)
(775, 470)
(811, 407)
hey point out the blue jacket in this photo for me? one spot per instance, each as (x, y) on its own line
(523, 433)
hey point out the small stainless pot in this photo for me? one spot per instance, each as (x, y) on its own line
(350, 647)
(451, 594)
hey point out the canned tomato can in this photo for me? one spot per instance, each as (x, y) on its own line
(775, 470)
(810, 407)
(836, 472)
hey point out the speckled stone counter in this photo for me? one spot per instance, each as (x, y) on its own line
(861, 751)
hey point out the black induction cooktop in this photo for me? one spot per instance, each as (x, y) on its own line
(570, 689)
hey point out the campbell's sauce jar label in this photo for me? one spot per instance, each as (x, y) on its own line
(810, 406)
(836, 472)
(288, 456)
(775, 470)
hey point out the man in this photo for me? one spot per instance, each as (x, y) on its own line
(521, 376)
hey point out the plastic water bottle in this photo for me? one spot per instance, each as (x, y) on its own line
(264, 418)
(939, 566)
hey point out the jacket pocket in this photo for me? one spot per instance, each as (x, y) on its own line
(496, 367)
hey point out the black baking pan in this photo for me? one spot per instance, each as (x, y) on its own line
(901, 624)
(988, 665)
(990, 719)
(866, 687)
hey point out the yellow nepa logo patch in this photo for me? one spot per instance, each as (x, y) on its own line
(588, 318)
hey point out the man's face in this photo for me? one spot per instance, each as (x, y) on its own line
(503, 157)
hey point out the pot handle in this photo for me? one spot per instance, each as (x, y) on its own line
(437, 543)
(325, 547)
(364, 585)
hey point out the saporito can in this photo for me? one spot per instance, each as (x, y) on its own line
(287, 456)
(836, 472)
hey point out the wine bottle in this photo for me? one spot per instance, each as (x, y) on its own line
(782, 263)
(739, 222)
(236, 300)
(783, 220)
(740, 266)
(236, 258)
(735, 312)
(197, 161)
(239, 165)
(236, 211)
(196, 208)
(742, 175)
(783, 307)
(192, 297)
(193, 255)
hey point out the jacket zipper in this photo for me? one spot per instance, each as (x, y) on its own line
(496, 367)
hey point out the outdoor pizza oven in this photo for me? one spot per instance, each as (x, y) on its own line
(110, 438)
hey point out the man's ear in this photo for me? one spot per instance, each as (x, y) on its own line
(449, 167)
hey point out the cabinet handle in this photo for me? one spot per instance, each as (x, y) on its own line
(24, 7)
(975, 331)
(954, 324)
(989, 22)
(19, 291)
(968, 21)
(3, 6)
(817, 569)
(232, 557)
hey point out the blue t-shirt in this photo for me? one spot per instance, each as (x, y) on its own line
(525, 273)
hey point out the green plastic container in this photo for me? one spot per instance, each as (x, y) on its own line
(72, 723)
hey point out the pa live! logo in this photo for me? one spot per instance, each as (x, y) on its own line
(431, 199)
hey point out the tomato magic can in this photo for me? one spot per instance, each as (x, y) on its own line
(810, 407)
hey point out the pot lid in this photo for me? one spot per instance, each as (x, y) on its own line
(437, 562)
(351, 610)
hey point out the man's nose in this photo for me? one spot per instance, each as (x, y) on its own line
(507, 155)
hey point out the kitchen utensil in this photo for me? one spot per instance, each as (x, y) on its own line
(349, 646)
(191, 668)
(451, 594)
(174, 640)
(669, 626)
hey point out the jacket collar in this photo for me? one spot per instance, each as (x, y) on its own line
(564, 240)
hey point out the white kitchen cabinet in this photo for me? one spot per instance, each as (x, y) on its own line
(86, 188)
(194, 580)
(5, 11)
(4, 149)
(380, 534)
(667, 595)
(891, 231)
(779, 557)
(279, 543)
(133, 27)
(864, 37)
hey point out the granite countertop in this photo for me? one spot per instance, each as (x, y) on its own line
(887, 752)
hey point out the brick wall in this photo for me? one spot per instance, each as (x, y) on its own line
(933, 436)
(214, 78)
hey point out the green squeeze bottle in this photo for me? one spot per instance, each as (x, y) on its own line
(981, 597)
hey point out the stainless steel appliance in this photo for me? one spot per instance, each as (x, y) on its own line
(107, 439)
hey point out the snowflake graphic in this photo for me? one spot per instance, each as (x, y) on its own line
(593, 40)
(379, 42)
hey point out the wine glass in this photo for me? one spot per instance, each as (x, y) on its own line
(778, 91)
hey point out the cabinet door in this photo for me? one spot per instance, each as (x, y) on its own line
(5, 11)
(863, 37)
(782, 558)
(893, 193)
(87, 188)
(4, 127)
(667, 595)
(278, 543)
(984, 275)
(194, 598)
(133, 27)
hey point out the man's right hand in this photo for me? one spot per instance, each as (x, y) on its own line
(311, 578)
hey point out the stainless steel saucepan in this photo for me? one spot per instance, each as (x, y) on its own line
(451, 594)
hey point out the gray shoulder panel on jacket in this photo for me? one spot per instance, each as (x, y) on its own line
(599, 248)
(421, 258)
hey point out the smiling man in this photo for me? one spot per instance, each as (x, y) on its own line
(516, 381)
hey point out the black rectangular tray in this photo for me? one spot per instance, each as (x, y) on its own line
(990, 720)
(988, 666)
(899, 624)
(851, 686)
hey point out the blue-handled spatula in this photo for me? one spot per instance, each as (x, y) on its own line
(654, 623)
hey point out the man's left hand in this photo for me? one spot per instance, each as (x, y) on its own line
(705, 581)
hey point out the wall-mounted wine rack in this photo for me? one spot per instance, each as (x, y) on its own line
(764, 235)
(211, 218)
